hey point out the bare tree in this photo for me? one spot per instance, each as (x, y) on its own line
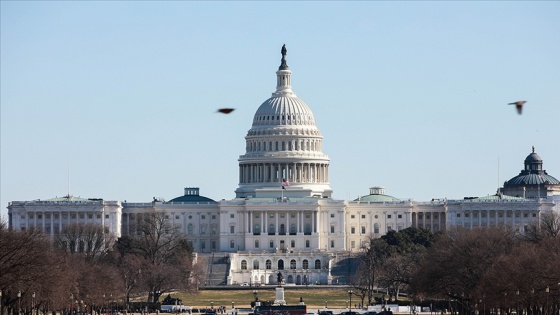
(90, 240)
(547, 226)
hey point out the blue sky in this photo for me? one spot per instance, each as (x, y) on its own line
(408, 95)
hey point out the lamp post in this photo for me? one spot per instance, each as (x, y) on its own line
(517, 301)
(326, 304)
(19, 301)
(212, 305)
(350, 296)
(232, 305)
(71, 304)
(547, 290)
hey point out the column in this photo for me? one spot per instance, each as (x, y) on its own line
(262, 222)
(298, 224)
(246, 213)
(313, 213)
(277, 228)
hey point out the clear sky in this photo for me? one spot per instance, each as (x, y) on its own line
(117, 100)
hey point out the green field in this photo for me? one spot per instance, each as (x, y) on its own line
(314, 298)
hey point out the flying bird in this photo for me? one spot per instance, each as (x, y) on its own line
(226, 110)
(518, 105)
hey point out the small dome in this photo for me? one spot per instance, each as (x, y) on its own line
(533, 157)
(377, 194)
(192, 195)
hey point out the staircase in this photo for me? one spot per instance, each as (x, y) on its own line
(344, 266)
(218, 269)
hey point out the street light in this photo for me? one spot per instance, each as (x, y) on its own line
(547, 290)
(232, 305)
(19, 300)
(71, 304)
(350, 295)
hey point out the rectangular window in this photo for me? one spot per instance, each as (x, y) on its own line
(467, 215)
(353, 230)
(271, 215)
(282, 215)
(231, 215)
(203, 217)
(389, 228)
(213, 217)
(363, 230)
(257, 215)
(106, 216)
(352, 216)
(307, 215)
(352, 244)
(525, 215)
(232, 229)
(388, 216)
(458, 215)
(332, 243)
(332, 228)
(307, 244)
(176, 217)
(231, 244)
(363, 216)
(271, 244)
(292, 215)
(400, 216)
(332, 215)
(292, 243)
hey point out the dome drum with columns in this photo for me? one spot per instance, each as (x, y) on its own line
(283, 144)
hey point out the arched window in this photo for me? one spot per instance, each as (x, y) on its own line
(293, 264)
(292, 229)
(271, 230)
(282, 229)
(257, 228)
(307, 229)
(256, 264)
(280, 264)
(305, 264)
(268, 264)
(243, 265)
(317, 264)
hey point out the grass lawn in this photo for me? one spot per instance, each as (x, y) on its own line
(314, 298)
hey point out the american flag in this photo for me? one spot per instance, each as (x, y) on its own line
(285, 182)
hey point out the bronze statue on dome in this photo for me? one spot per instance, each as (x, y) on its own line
(283, 65)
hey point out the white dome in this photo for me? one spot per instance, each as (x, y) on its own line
(283, 110)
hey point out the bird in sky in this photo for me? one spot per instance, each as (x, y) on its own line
(225, 110)
(518, 105)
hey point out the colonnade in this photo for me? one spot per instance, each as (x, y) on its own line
(297, 172)
(264, 222)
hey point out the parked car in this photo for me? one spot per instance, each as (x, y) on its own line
(325, 313)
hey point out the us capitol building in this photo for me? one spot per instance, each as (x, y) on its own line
(283, 216)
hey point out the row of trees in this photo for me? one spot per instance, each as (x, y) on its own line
(84, 268)
(467, 270)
